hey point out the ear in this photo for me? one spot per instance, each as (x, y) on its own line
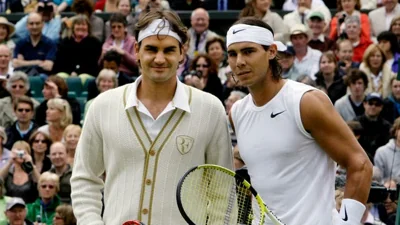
(273, 51)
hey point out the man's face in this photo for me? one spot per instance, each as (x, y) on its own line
(389, 4)
(111, 65)
(345, 52)
(373, 108)
(286, 61)
(200, 21)
(299, 41)
(24, 112)
(357, 88)
(316, 25)
(4, 57)
(16, 215)
(35, 24)
(304, 3)
(353, 31)
(58, 155)
(396, 89)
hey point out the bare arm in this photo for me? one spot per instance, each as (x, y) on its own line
(320, 118)
(20, 62)
(5, 169)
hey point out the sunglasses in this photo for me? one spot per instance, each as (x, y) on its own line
(202, 65)
(47, 186)
(41, 141)
(19, 86)
(24, 110)
(377, 104)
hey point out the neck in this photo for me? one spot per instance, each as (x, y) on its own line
(315, 36)
(71, 152)
(23, 126)
(264, 91)
(389, 8)
(61, 169)
(4, 71)
(38, 156)
(157, 91)
(375, 71)
(357, 98)
(354, 40)
(36, 38)
(389, 55)
(119, 39)
(328, 78)
(372, 118)
(55, 126)
(46, 200)
(301, 52)
(350, 13)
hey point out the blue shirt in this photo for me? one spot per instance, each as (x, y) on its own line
(44, 50)
(51, 29)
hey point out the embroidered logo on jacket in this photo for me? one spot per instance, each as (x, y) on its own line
(184, 143)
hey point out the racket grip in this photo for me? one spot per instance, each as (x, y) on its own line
(133, 222)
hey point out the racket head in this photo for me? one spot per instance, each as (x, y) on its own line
(211, 194)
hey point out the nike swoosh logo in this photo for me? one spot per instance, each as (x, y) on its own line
(236, 31)
(345, 215)
(276, 114)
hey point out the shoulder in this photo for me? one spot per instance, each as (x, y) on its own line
(341, 101)
(376, 12)
(111, 97)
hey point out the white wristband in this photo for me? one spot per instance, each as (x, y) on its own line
(351, 211)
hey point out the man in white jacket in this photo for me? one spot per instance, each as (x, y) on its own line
(146, 135)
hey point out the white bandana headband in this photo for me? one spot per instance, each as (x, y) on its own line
(248, 33)
(158, 27)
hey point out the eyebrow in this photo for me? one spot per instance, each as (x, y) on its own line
(243, 49)
(151, 47)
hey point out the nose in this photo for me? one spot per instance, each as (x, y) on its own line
(160, 58)
(240, 62)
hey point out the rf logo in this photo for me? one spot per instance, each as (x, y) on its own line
(184, 143)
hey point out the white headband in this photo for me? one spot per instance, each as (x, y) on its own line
(158, 27)
(248, 33)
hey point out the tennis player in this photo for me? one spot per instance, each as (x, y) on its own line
(146, 135)
(289, 136)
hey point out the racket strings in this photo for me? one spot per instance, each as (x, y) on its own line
(213, 197)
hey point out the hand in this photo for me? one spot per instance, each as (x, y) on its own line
(188, 80)
(198, 82)
(27, 158)
(46, 65)
(54, 89)
(302, 9)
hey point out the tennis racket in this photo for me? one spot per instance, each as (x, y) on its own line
(213, 195)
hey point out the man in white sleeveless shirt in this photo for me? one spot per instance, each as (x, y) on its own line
(289, 136)
(146, 135)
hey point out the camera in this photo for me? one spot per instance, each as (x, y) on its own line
(379, 194)
(197, 73)
(342, 18)
(20, 153)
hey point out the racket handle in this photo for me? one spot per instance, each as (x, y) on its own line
(133, 222)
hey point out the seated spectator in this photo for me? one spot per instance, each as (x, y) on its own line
(40, 144)
(381, 17)
(261, 10)
(7, 30)
(58, 116)
(353, 32)
(386, 158)
(85, 7)
(16, 212)
(216, 49)
(306, 59)
(18, 85)
(391, 104)
(64, 215)
(233, 97)
(390, 203)
(290, 5)
(145, 5)
(35, 54)
(376, 130)
(19, 174)
(123, 43)
(328, 78)
(351, 105)
(124, 7)
(108, 6)
(5, 154)
(50, 25)
(111, 60)
(78, 54)
(378, 71)
(6, 68)
(184, 66)
(22, 129)
(389, 45)
(106, 80)
(45, 206)
(71, 135)
(318, 40)
(395, 27)
(207, 79)
(305, 79)
(286, 60)
(344, 53)
(58, 156)
(56, 87)
(346, 9)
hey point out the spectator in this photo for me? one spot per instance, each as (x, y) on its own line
(378, 71)
(184, 66)
(346, 9)
(40, 144)
(22, 129)
(106, 80)
(145, 5)
(71, 135)
(56, 87)
(78, 54)
(35, 54)
(390, 203)
(85, 7)
(395, 27)
(125, 8)
(222, 5)
(388, 43)
(3, 204)
(208, 81)
(376, 129)
(50, 25)
(391, 104)
(123, 43)
(59, 116)
(381, 17)
(64, 215)
(290, 5)
(233, 97)
(386, 158)
(286, 60)
(45, 206)
(199, 32)
(16, 212)
(306, 59)
(7, 30)
(19, 174)
(318, 40)
(3, 80)
(216, 49)
(360, 43)
(108, 6)
(344, 54)
(6, 67)
(58, 156)
(18, 85)
(328, 78)
(261, 10)
(351, 105)
(5, 154)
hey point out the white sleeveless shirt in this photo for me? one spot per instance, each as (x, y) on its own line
(291, 172)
